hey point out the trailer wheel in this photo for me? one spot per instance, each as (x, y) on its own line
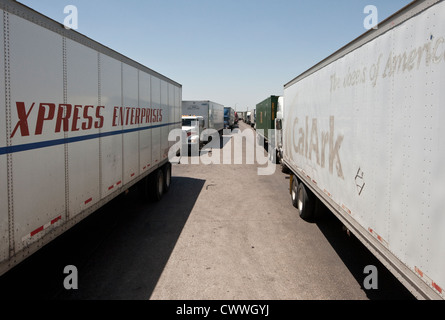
(277, 157)
(157, 185)
(167, 177)
(305, 203)
(294, 192)
(285, 169)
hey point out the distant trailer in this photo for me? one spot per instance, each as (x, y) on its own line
(265, 124)
(212, 112)
(229, 117)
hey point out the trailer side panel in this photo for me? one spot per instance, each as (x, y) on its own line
(364, 130)
(81, 124)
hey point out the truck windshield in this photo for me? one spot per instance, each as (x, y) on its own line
(189, 122)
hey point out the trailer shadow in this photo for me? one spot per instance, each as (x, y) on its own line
(120, 251)
(356, 257)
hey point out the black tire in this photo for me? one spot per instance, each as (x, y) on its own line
(277, 157)
(157, 185)
(294, 192)
(285, 169)
(305, 203)
(167, 177)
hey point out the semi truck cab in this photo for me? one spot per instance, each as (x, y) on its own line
(193, 126)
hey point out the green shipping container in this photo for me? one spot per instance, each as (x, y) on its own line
(266, 112)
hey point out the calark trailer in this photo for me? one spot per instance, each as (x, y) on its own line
(79, 125)
(363, 133)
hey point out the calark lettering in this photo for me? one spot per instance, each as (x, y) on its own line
(312, 144)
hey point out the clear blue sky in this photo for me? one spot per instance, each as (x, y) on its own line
(234, 52)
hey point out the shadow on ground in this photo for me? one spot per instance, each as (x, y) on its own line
(119, 251)
(356, 257)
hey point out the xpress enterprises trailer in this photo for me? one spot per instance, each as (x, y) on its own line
(363, 133)
(80, 125)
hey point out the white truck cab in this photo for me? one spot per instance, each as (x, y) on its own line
(193, 126)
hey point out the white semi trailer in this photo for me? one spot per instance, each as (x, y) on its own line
(79, 125)
(363, 133)
(212, 112)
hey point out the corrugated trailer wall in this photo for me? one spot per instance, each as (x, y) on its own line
(216, 116)
(365, 129)
(4, 236)
(79, 124)
(266, 112)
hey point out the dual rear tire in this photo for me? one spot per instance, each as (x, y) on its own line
(158, 183)
(303, 199)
